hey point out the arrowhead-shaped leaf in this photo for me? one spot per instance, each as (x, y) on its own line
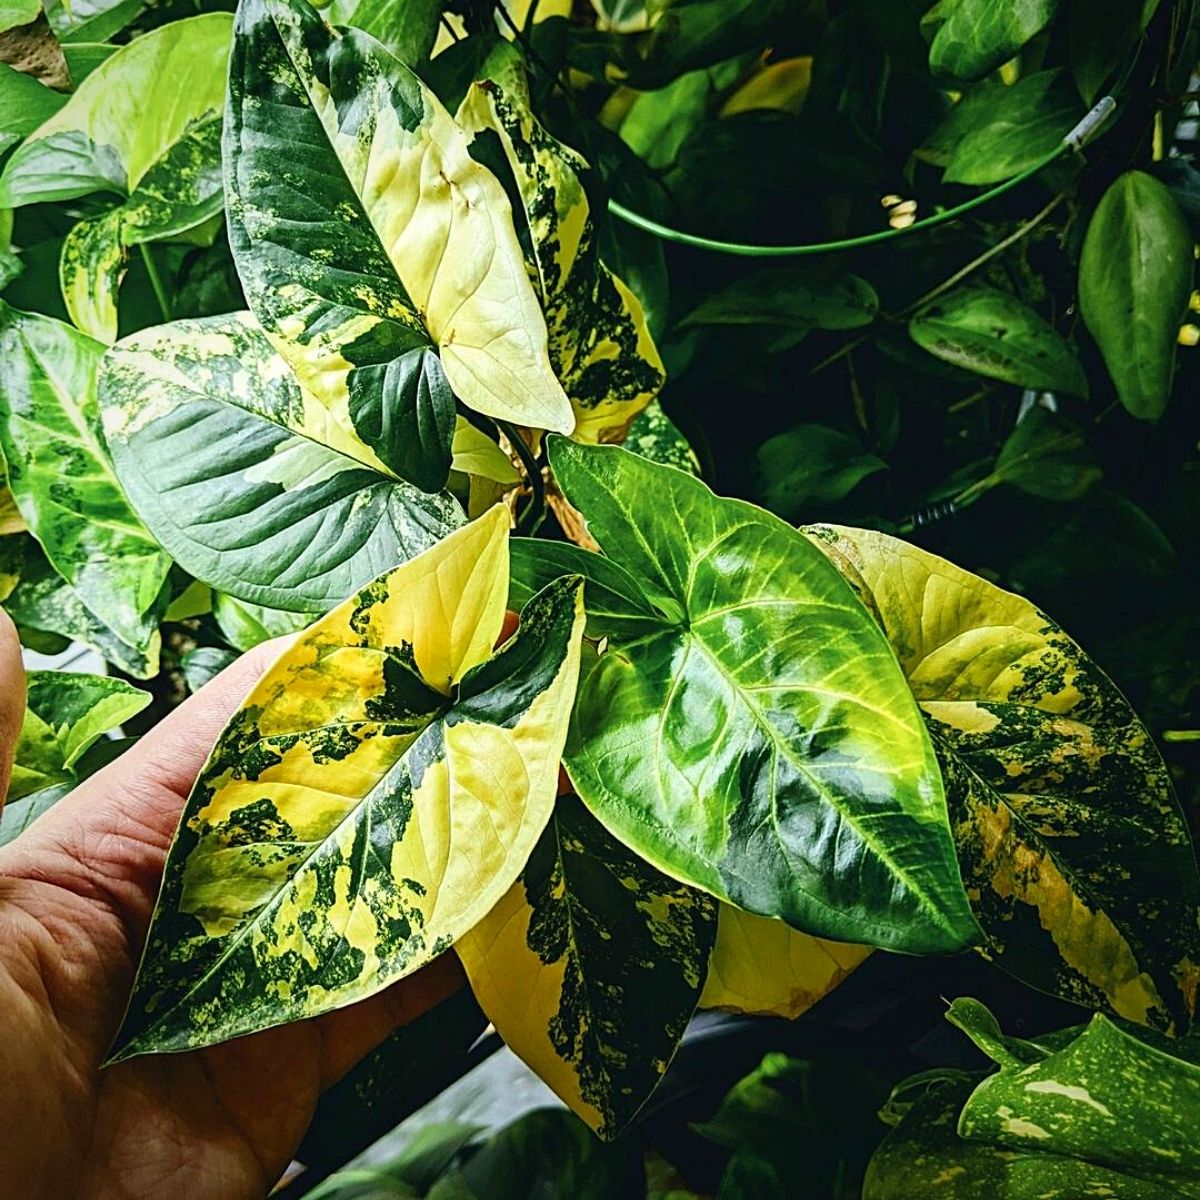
(755, 736)
(236, 469)
(1075, 854)
(590, 967)
(64, 483)
(376, 794)
(379, 258)
(599, 343)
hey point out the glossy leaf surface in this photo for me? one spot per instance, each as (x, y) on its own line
(1074, 851)
(1135, 277)
(599, 345)
(591, 966)
(232, 465)
(758, 722)
(63, 482)
(973, 37)
(377, 792)
(380, 259)
(993, 334)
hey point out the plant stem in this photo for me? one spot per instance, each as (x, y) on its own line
(534, 513)
(1181, 735)
(156, 282)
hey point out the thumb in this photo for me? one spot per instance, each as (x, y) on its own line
(12, 698)
(108, 839)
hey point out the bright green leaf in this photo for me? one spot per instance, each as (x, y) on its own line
(759, 719)
(408, 28)
(247, 625)
(1135, 277)
(973, 37)
(1020, 126)
(993, 334)
(24, 105)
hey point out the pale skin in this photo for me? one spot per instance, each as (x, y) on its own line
(76, 893)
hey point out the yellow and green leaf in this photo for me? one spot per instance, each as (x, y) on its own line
(763, 966)
(590, 967)
(64, 485)
(162, 158)
(227, 460)
(599, 344)
(375, 795)
(1077, 859)
(380, 259)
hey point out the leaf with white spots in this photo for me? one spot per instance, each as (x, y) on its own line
(375, 795)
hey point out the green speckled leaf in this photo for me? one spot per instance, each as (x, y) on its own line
(655, 436)
(227, 460)
(1075, 854)
(591, 966)
(973, 37)
(599, 344)
(40, 600)
(1093, 1112)
(757, 740)
(993, 334)
(379, 258)
(65, 713)
(374, 796)
(161, 158)
(63, 482)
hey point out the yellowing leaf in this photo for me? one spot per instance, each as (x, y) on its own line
(374, 796)
(781, 85)
(590, 967)
(599, 343)
(760, 965)
(1075, 855)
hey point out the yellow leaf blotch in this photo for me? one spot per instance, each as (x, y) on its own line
(760, 965)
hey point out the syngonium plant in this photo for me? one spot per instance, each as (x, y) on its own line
(783, 747)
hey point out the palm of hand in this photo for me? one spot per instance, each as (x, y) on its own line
(76, 893)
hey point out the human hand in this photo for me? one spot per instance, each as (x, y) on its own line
(76, 893)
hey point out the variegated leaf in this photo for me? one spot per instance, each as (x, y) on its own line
(163, 158)
(39, 599)
(599, 343)
(590, 967)
(1076, 857)
(234, 466)
(760, 965)
(379, 258)
(374, 796)
(63, 482)
(747, 729)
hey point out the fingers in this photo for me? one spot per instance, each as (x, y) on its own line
(12, 697)
(108, 839)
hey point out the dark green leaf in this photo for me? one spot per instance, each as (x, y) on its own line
(794, 297)
(973, 37)
(809, 466)
(1135, 277)
(1046, 455)
(992, 333)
